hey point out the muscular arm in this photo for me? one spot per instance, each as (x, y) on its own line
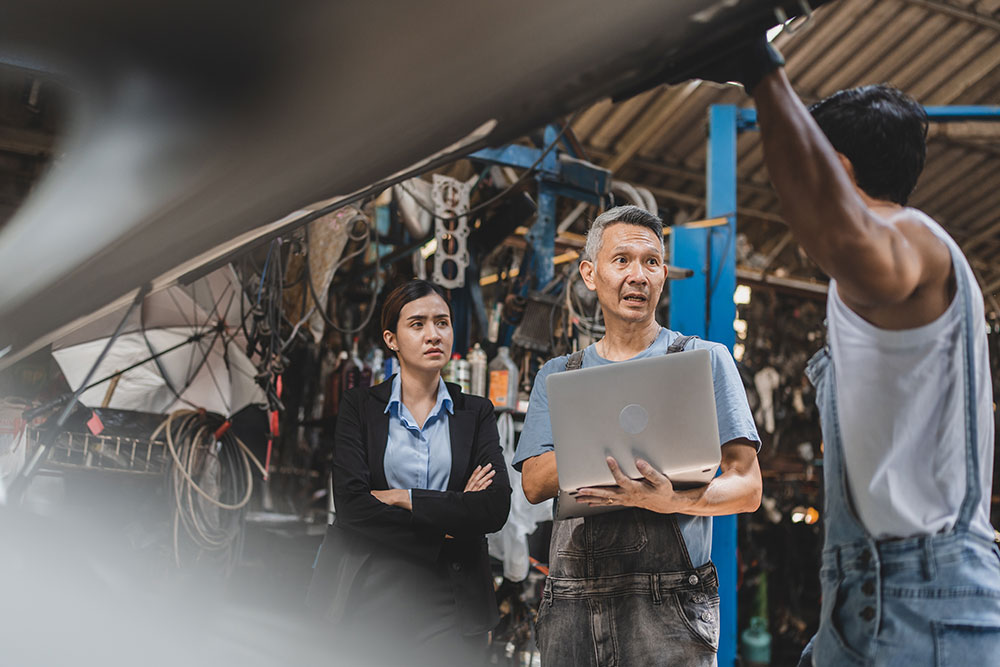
(539, 478)
(736, 489)
(876, 262)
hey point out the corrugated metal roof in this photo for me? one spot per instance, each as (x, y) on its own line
(942, 53)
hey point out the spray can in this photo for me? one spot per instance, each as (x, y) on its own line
(503, 381)
(493, 329)
(462, 373)
(477, 371)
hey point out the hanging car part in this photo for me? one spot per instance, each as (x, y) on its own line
(451, 228)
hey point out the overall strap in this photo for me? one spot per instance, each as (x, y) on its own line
(575, 361)
(679, 344)
(972, 490)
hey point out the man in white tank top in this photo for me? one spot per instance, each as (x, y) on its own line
(911, 573)
(844, 170)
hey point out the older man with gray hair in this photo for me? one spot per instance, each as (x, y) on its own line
(637, 586)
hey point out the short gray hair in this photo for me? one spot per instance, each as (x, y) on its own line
(629, 215)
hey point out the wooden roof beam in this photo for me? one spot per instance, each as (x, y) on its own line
(649, 124)
(692, 199)
(679, 171)
(963, 13)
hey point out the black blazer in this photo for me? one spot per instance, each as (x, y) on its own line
(364, 525)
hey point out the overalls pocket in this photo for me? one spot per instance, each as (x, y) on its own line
(606, 535)
(700, 612)
(966, 643)
(834, 617)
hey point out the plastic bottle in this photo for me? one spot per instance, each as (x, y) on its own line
(493, 329)
(448, 372)
(462, 372)
(503, 381)
(477, 371)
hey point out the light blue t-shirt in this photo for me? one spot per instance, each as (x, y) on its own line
(418, 458)
(732, 409)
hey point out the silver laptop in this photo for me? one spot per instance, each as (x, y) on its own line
(660, 409)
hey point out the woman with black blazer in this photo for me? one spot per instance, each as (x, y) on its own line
(419, 479)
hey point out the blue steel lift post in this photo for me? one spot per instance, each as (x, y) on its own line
(704, 304)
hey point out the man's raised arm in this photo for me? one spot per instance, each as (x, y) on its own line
(878, 258)
(875, 261)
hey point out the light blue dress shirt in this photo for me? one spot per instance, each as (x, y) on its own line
(418, 458)
(732, 411)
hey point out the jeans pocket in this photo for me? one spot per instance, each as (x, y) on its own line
(836, 618)
(966, 642)
(700, 612)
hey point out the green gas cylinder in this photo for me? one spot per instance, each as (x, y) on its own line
(755, 643)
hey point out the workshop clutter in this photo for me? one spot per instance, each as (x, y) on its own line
(226, 391)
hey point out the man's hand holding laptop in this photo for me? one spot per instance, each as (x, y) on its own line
(736, 489)
(653, 491)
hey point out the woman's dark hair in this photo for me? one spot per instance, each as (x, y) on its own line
(883, 132)
(409, 291)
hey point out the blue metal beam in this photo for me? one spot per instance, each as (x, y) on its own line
(721, 311)
(689, 250)
(573, 178)
(721, 185)
(550, 163)
(542, 236)
(703, 305)
(959, 114)
(512, 155)
(747, 118)
(583, 180)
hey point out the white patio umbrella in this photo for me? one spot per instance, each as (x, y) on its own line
(208, 369)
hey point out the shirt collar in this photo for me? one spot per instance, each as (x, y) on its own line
(443, 398)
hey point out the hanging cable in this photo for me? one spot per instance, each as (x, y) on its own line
(590, 325)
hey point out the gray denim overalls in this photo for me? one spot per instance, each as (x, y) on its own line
(929, 600)
(622, 591)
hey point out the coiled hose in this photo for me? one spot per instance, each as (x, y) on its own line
(210, 483)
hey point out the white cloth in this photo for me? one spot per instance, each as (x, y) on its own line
(511, 544)
(766, 381)
(901, 398)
